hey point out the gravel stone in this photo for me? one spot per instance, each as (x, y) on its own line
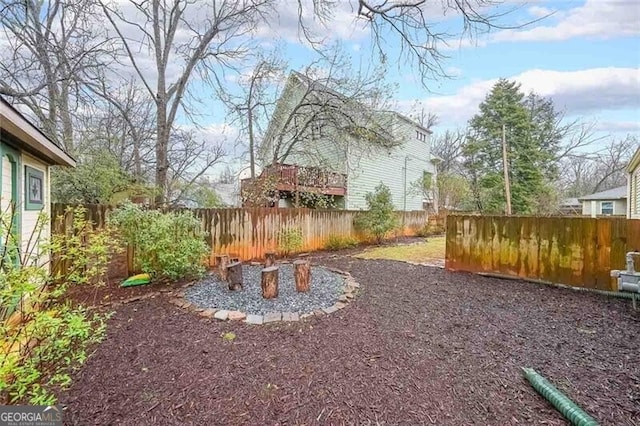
(272, 317)
(290, 316)
(326, 286)
(237, 316)
(221, 315)
(331, 309)
(254, 319)
(208, 313)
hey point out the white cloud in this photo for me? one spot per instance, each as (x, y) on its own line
(539, 11)
(619, 126)
(453, 71)
(596, 18)
(340, 23)
(584, 92)
(600, 19)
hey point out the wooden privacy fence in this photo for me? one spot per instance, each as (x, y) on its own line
(576, 251)
(251, 232)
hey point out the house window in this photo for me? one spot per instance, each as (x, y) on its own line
(427, 180)
(421, 136)
(34, 188)
(606, 208)
(317, 130)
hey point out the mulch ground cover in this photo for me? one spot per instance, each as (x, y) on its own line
(418, 346)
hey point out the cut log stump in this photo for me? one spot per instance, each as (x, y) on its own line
(270, 282)
(302, 275)
(222, 266)
(216, 260)
(269, 259)
(234, 276)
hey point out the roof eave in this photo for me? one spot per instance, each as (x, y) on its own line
(26, 133)
(634, 162)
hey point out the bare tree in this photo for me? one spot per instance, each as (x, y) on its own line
(122, 122)
(585, 173)
(411, 25)
(329, 102)
(254, 105)
(190, 36)
(189, 158)
(54, 47)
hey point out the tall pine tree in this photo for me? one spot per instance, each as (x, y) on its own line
(531, 125)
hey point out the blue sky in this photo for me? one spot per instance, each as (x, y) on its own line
(584, 54)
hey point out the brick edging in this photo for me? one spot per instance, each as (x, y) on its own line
(350, 290)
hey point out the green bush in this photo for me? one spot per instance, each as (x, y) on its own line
(42, 337)
(290, 240)
(340, 242)
(380, 218)
(166, 245)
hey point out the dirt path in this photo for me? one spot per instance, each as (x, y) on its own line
(419, 346)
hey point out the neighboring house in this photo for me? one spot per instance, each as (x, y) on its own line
(633, 186)
(27, 155)
(570, 207)
(337, 161)
(612, 202)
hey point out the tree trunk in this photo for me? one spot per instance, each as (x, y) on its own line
(252, 159)
(269, 259)
(222, 266)
(302, 275)
(65, 118)
(270, 282)
(234, 276)
(162, 143)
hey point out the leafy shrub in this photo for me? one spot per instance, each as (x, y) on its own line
(42, 337)
(380, 218)
(340, 242)
(166, 245)
(290, 240)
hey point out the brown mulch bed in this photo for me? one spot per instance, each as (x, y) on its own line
(419, 346)
(110, 293)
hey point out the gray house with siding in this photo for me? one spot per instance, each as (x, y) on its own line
(612, 202)
(332, 154)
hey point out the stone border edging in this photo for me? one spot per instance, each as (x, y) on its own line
(349, 291)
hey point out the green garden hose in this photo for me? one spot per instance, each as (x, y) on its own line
(567, 407)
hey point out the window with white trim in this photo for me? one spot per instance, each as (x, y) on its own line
(606, 208)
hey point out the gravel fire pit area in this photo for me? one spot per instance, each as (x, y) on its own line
(213, 293)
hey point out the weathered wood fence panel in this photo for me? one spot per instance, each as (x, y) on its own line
(249, 233)
(576, 251)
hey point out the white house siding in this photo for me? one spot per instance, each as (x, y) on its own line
(593, 208)
(634, 194)
(6, 195)
(30, 217)
(328, 152)
(368, 170)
